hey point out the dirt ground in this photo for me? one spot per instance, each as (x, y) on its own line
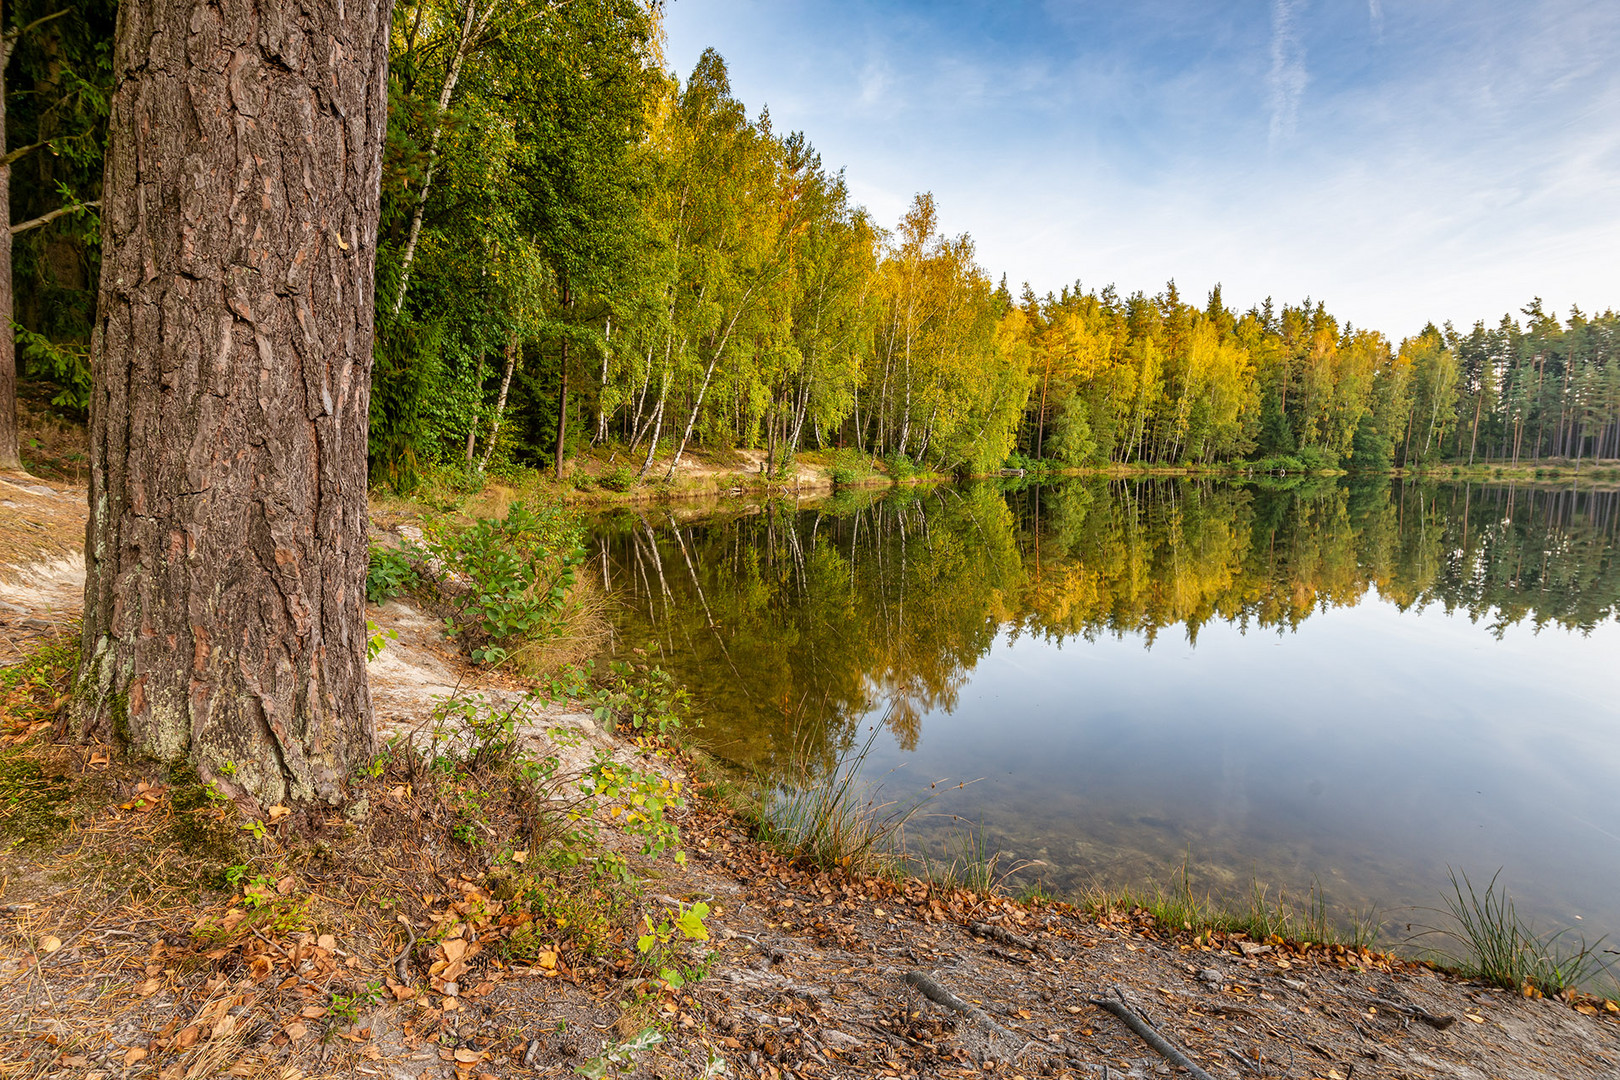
(400, 964)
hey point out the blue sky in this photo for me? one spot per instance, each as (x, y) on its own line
(1403, 160)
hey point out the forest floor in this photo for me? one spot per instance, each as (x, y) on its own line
(146, 930)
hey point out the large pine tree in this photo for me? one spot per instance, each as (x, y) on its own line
(226, 549)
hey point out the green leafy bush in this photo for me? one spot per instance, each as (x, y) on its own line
(515, 572)
(638, 698)
(900, 466)
(389, 572)
(850, 467)
(1316, 458)
(618, 478)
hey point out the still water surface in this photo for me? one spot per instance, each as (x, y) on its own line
(1352, 684)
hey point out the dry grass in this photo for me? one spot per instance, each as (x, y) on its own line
(148, 927)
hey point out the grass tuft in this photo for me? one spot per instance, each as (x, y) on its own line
(1262, 917)
(837, 820)
(1490, 941)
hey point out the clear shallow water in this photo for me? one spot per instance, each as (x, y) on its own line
(1352, 684)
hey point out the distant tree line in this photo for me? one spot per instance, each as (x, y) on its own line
(579, 248)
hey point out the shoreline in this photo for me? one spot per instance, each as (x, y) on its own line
(803, 972)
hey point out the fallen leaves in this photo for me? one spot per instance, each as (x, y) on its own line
(147, 798)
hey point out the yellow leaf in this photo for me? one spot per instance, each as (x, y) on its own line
(520, 857)
(136, 1053)
(278, 812)
(49, 943)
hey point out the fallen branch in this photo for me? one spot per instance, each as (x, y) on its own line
(1149, 1035)
(936, 992)
(1439, 1023)
(1006, 937)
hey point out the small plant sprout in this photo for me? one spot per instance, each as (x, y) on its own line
(617, 1058)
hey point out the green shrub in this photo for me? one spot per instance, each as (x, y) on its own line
(618, 478)
(900, 466)
(517, 572)
(389, 572)
(851, 467)
(1316, 458)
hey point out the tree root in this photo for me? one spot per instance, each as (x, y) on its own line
(1149, 1035)
(936, 992)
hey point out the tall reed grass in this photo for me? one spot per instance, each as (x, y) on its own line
(1487, 939)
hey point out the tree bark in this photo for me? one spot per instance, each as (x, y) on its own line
(9, 460)
(562, 391)
(500, 402)
(225, 554)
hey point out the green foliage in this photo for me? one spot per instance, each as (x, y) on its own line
(851, 467)
(58, 83)
(640, 699)
(900, 467)
(617, 1058)
(618, 478)
(638, 799)
(1071, 442)
(518, 570)
(389, 572)
(64, 364)
(345, 1009)
(659, 946)
(406, 378)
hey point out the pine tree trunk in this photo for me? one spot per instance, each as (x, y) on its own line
(8, 345)
(224, 619)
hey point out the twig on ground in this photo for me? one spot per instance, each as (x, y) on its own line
(402, 962)
(1257, 1066)
(1439, 1023)
(936, 992)
(1006, 937)
(1148, 1034)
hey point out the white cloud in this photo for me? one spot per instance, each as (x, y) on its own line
(1287, 79)
(1375, 15)
(876, 84)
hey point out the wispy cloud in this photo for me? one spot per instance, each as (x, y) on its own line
(1287, 79)
(1457, 167)
(875, 83)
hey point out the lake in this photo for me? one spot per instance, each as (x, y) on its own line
(1348, 684)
